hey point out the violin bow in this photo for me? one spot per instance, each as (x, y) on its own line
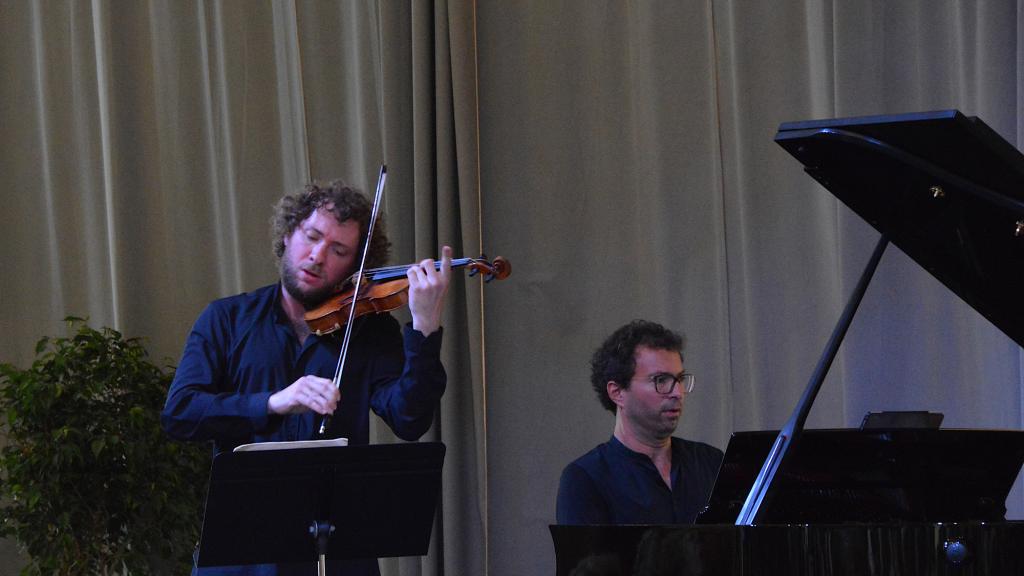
(381, 179)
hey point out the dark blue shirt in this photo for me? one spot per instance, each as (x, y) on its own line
(612, 484)
(242, 349)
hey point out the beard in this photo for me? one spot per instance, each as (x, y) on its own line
(663, 426)
(309, 299)
(654, 421)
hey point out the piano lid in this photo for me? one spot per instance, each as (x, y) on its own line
(947, 189)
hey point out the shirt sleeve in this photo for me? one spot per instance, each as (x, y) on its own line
(579, 500)
(200, 406)
(407, 403)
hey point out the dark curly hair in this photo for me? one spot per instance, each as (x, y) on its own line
(344, 203)
(614, 360)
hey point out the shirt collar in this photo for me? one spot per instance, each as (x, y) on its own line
(617, 446)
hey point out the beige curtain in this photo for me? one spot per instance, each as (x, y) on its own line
(619, 153)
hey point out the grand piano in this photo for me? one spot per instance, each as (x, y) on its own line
(892, 500)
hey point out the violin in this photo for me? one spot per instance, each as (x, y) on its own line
(386, 289)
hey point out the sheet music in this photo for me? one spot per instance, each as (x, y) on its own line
(329, 443)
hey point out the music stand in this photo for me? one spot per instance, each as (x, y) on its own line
(902, 419)
(282, 506)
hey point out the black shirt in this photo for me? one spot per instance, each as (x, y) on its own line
(242, 349)
(612, 484)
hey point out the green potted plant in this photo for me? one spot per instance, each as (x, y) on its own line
(89, 484)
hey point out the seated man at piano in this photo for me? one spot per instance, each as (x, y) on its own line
(643, 474)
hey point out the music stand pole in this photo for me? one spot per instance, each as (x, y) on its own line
(321, 531)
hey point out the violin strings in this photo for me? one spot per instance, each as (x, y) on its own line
(394, 271)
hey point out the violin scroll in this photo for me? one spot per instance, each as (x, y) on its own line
(498, 269)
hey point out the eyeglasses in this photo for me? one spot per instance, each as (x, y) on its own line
(665, 383)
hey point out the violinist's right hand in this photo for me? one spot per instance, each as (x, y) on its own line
(305, 394)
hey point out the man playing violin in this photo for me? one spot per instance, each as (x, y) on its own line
(642, 475)
(253, 371)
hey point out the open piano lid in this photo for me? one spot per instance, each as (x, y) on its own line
(955, 205)
(949, 192)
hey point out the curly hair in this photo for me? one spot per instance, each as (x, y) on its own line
(344, 203)
(615, 360)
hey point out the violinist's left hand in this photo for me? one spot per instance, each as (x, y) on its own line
(427, 287)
